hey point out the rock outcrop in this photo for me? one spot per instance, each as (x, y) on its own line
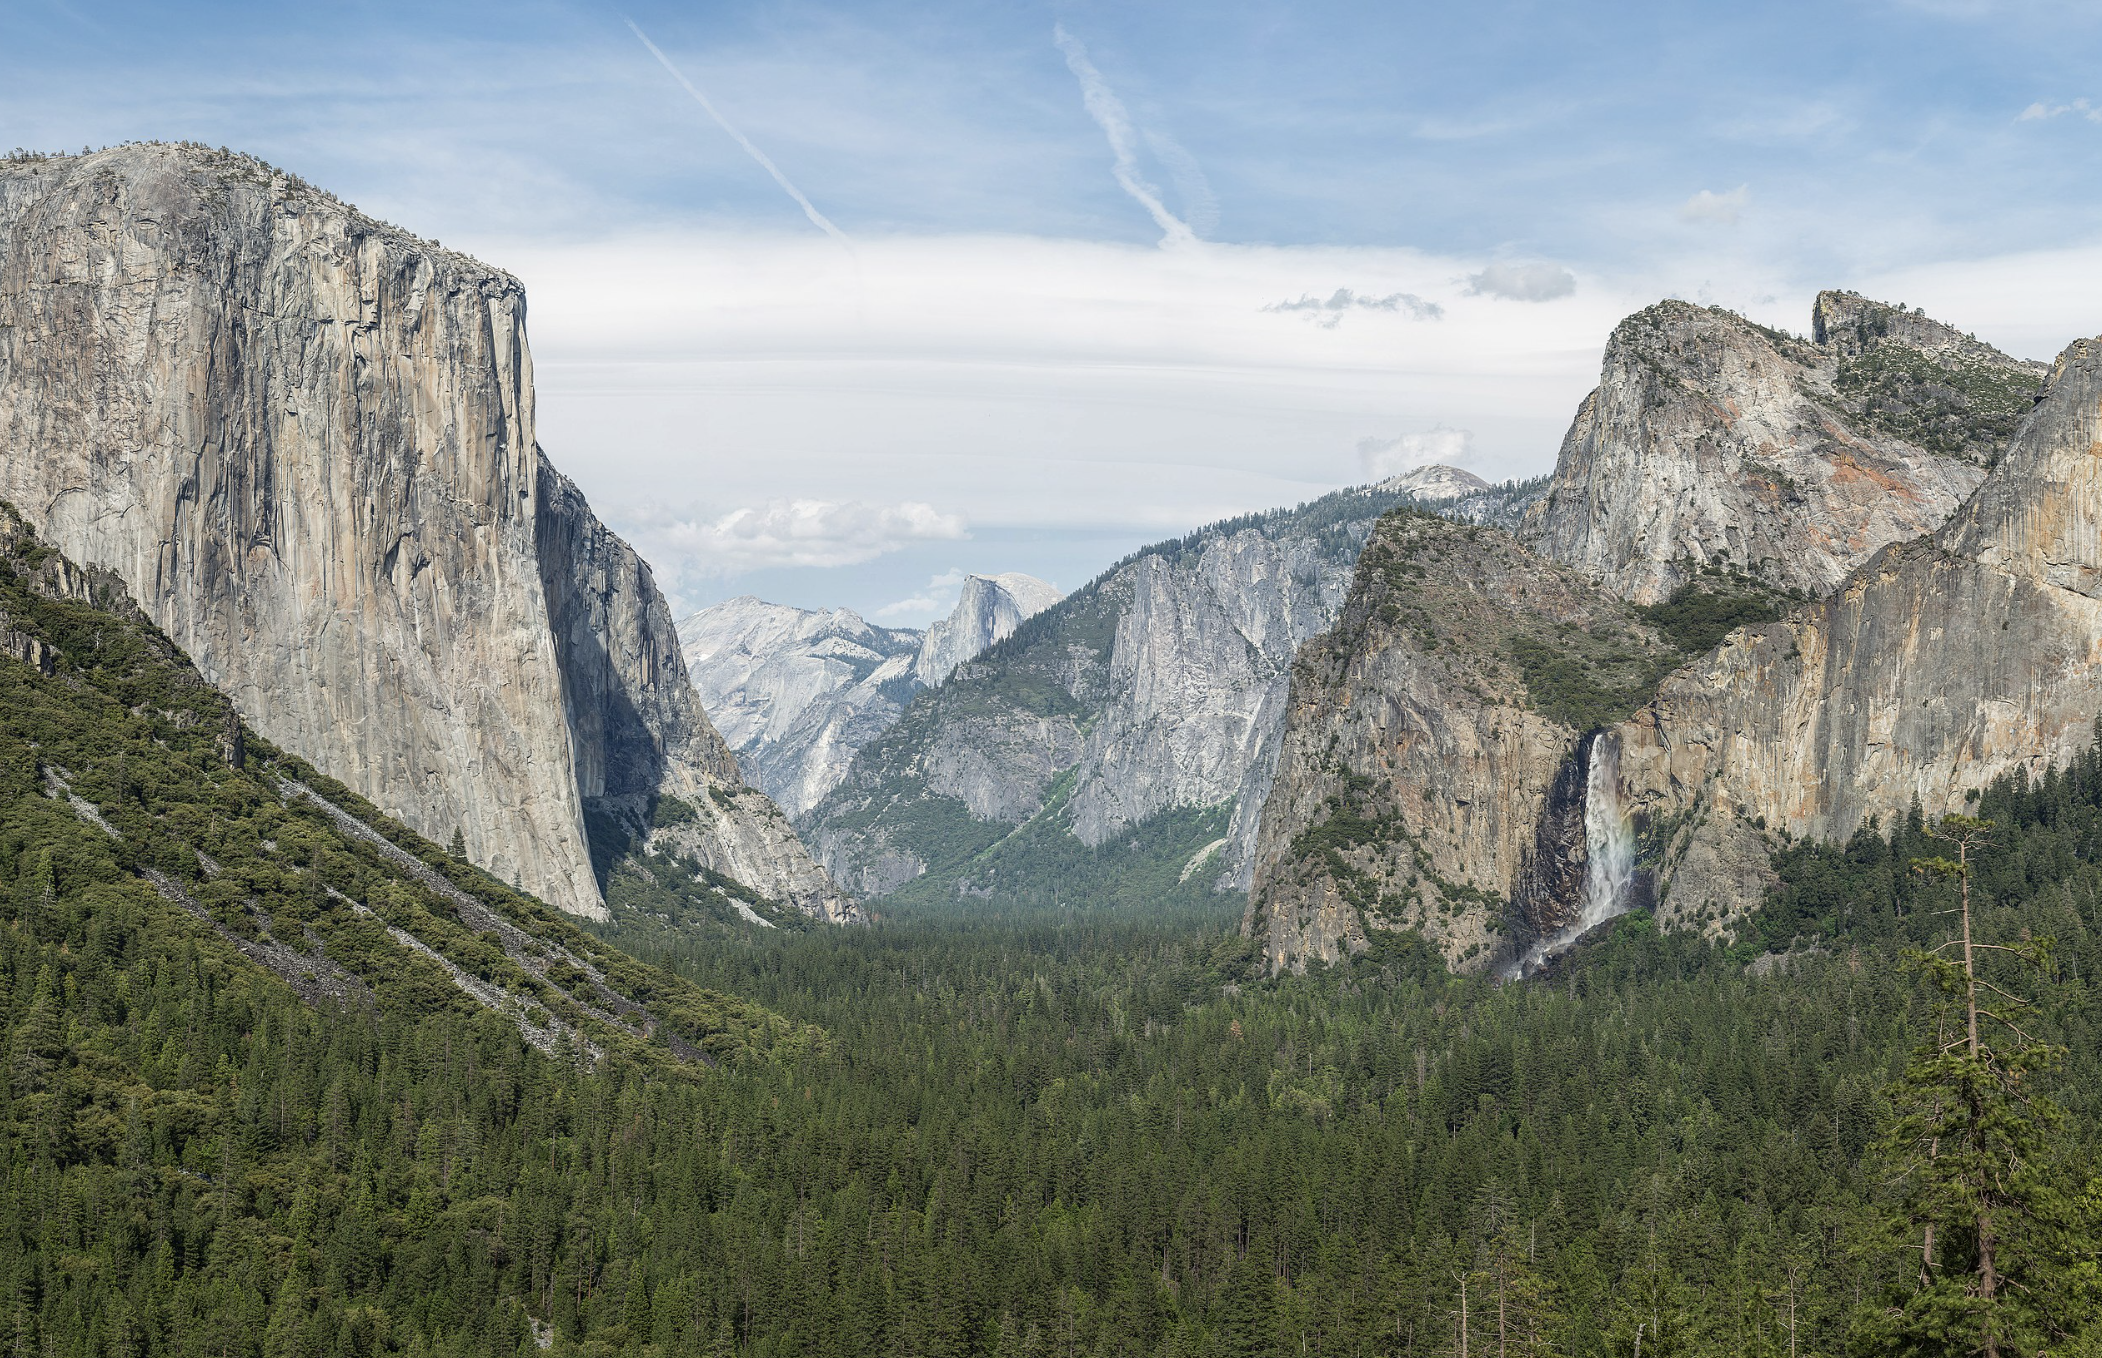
(1940, 661)
(1938, 666)
(988, 609)
(1431, 770)
(1712, 441)
(1435, 483)
(797, 692)
(304, 440)
(1156, 690)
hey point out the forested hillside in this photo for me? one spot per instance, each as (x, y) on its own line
(1022, 1133)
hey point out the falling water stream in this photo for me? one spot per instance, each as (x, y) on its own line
(1609, 854)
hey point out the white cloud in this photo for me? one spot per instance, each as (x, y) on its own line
(1382, 458)
(795, 533)
(2039, 112)
(938, 597)
(1709, 208)
(1327, 312)
(1522, 282)
(1105, 395)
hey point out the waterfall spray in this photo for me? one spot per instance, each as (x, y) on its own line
(1609, 853)
(1609, 844)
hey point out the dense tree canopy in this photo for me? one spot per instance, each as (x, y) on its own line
(986, 1131)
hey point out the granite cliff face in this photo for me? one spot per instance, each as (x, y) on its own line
(797, 692)
(1938, 662)
(1714, 441)
(304, 440)
(1139, 714)
(1939, 665)
(1431, 756)
(988, 609)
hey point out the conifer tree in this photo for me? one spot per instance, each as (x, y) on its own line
(1970, 1144)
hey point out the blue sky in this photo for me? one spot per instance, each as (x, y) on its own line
(1008, 370)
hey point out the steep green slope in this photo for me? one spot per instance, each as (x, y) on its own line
(269, 1053)
(124, 777)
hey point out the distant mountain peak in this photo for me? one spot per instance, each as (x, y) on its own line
(988, 610)
(1434, 482)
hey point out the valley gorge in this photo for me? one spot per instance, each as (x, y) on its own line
(1133, 722)
(798, 692)
(1439, 918)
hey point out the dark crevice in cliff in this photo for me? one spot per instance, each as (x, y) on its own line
(1550, 888)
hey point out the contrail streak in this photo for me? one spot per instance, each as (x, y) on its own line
(1109, 114)
(818, 219)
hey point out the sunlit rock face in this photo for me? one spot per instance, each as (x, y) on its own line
(988, 610)
(1432, 775)
(1156, 689)
(1929, 513)
(1938, 665)
(796, 692)
(305, 441)
(1714, 441)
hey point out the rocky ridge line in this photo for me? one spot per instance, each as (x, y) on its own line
(1713, 441)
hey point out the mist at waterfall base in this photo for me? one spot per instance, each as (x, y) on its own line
(1609, 857)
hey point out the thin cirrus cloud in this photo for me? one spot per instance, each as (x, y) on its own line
(765, 162)
(1114, 119)
(1522, 282)
(1709, 208)
(1440, 444)
(1328, 312)
(2042, 112)
(795, 533)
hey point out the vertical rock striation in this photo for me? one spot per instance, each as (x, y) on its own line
(988, 609)
(1431, 767)
(1714, 441)
(304, 440)
(1938, 666)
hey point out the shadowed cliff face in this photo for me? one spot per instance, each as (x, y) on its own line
(1938, 666)
(1714, 441)
(636, 722)
(1430, 771)
(304, 440)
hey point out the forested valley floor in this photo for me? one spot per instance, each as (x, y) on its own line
(1036, 1132)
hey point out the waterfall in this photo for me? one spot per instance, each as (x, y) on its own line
(1609, 854)
(1609, 844)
